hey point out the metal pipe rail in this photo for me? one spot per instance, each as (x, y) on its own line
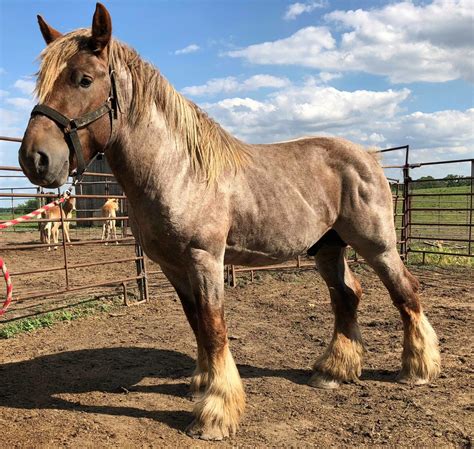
(441, 224)
(79, 265)
(439, 209)
(35, 295)
(68, 220)
(444, 239)
(46, 245)
(50, 195)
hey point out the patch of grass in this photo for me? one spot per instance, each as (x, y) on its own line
(290, 276)
(439, 226)
(7, 215)
(438, 258)
(46, 320)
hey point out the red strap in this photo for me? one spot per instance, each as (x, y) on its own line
(6, 276)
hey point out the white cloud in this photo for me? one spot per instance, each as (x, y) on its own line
(186, 50)
(25, 86)
(303, 47)
(296, 9)
(367, 117)
(329, 76)
(310, 108)
(4, 93)
(12, 123)
(231, 84)
(25, 104)
(261, 81)
(450, 129)
(430, 42)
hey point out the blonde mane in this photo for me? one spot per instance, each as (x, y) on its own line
(211, 149)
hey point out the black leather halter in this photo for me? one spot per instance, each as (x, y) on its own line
(71, 126)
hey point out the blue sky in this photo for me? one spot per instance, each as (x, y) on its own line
(381, 73)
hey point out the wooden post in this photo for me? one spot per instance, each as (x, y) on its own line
(234, 278)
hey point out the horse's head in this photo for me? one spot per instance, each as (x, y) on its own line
(72, 203)
(74, 90)
(113, 203)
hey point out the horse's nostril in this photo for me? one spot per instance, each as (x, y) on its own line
(42, 161)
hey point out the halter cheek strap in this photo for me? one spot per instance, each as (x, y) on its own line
(71, 126)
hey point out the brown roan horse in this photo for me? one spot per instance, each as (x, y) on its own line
(202, 198)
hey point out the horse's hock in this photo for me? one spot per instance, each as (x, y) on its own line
(47, 279)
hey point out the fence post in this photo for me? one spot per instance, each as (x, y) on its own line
(469, 244)
(406, 217)
(233, 278)
(13, 208)
(141, 271)
(63, 232)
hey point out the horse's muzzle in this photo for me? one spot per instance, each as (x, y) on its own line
(42, 167)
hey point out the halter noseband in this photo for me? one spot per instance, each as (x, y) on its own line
(71, 126)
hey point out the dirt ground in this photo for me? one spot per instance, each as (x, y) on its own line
(120, 379)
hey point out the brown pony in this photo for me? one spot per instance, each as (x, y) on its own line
(109, 210)
(51, 228)
(202, 198)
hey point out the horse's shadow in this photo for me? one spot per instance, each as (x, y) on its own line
(42, 382)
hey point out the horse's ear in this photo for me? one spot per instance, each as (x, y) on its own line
(48, 32)
(101, 29)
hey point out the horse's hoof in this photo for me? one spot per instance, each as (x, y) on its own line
(406, 379)
(208, 433)
(319, 380)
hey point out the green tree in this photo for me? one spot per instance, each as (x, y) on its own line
(427, 183)
(28, 206)
(456, 180)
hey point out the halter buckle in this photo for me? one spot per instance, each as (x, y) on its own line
(71, 127)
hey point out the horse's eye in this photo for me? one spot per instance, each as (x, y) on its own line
(85, 82)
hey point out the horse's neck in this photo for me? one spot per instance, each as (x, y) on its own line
(147, 159)
(67, 209)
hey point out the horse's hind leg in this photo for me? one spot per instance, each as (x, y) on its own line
(107, 232)
(342, 360)
(55, 231)
(420, 358)
(104, 229)
(366, 223)
(114, 228)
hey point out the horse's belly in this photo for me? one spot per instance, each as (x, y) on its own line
(271, 248)
(240, 256)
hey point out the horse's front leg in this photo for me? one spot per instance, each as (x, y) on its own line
(181, 284)
(218, 411)
(66, 231)
(48, 234)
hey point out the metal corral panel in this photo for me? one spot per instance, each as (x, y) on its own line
(97, 185)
